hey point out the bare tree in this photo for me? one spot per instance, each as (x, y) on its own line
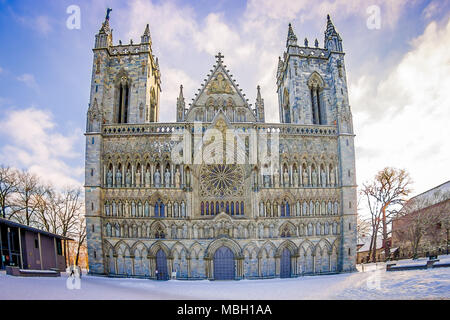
(413, 222)
(69, 213)
(384, 195)
(8, 186)
(80, 236)
(26, 198)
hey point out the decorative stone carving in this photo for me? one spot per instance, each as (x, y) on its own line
(296, 179)
(167, 178)
(305, 179)
(147, 178)
(128, 178)
(177, 178)
(118, 178)
(109, 178)
(276, 178)
(138, 178)
(323, 178)
(157, 179)
(314, 178)
(286, 178)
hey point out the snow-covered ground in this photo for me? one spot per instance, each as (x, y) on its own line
(374, 283)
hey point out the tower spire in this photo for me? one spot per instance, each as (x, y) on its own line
(180, 105)
(291, 37)
(146, 38)
(259, 105)
(104, 37)
(333, 41)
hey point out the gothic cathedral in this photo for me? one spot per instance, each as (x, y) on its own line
(220, 193)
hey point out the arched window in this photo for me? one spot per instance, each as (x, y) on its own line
(207, 208)
(286, 108)
(152, 111)
(202, 209)
(237, 208)
(288, 209)
(242, 207)
(228, 208)
(123, 97)
(212, 208)
(217, 208)
(232, 208)
(316, 85)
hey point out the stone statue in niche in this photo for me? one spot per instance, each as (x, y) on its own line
(118, 178)
(286, 178)
(183, 209)
(177, 178)
(323, 178)
(138, 178)
(128, 178)
(305, 178)
(276, 178)
(332, 178)
(157, 179)
(109, 178)
(167, 178)
(314, 178)
(147, 178)
(296, 178)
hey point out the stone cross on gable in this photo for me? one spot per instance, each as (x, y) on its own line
(219, 57)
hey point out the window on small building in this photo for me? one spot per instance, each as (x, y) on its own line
(58, 247)
(36, 243)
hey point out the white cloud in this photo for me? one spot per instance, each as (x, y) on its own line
(404, 121)
(29, 80)
(31, 141)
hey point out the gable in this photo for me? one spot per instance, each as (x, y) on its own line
(220, 92)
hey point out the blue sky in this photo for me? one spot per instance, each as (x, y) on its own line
(399, 74)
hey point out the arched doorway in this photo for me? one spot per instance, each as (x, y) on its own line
(285, 264)
(224, 268)
(161, 265)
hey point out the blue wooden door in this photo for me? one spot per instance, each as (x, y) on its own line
(285, 264)
(161, 265)
(224, 268)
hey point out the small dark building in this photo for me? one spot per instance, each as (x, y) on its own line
(30, 248)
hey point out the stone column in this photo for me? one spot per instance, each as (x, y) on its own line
(277, 266)
(188, 260)
(114, 176)
(132, 176)
(259, 266)
(104, 175)
(133, 272)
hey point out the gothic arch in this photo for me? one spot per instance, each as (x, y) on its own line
(315, 80)
(178, 246)
(155, 248)
(289, 245)
(196, 250)
(119, 245)
(229, 243)
(323, 245)
(136, 245)
(304, 246)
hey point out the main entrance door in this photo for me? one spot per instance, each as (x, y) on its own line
(224, 268)
(161, 265)
(285, 264)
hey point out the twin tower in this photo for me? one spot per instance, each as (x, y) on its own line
(311, 84)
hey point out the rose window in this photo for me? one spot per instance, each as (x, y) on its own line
(221, 180)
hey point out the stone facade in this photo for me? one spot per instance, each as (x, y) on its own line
(278, 200)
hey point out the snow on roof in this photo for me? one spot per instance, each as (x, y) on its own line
(435, 195)
(365, 242)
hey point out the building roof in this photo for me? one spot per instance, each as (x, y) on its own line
(433, 196)
(10, 223)
(365, 242)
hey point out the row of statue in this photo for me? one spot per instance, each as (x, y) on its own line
(133, 209)
(206, 231)
(157, 181)
(306, 181)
